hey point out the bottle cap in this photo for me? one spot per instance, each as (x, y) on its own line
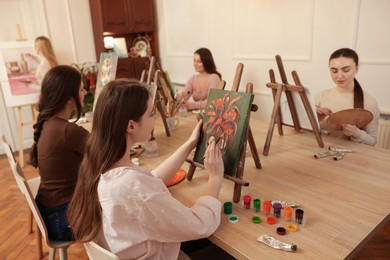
(271, 220)
(281, 231)
(233, 219)
(292, 227)
(256, 220)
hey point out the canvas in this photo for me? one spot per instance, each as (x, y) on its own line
(17, 77)
(152, 88)
(226, 118)
(120, 47)
(107, 72)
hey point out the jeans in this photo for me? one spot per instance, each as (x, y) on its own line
(56, 222)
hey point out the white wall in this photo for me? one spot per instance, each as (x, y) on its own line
(66, 22)
(303, 32)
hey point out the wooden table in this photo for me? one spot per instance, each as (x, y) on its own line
(345, 202)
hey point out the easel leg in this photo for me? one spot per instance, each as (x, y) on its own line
(163, 117)
(272, 121)
(240, 170)
(278, 116)
(191, 171)
(252, 145)
(309, 111)
(20, 135)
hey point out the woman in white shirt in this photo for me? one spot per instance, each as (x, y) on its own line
(128, 209)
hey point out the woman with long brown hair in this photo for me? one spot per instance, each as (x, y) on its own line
(198, 85)
(58, 147)
(128, 209)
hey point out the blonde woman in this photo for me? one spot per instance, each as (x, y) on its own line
(46, 58)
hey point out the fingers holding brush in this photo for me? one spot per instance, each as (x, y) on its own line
(213, 158)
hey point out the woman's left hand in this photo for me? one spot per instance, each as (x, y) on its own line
(349, 130)
(195, 134)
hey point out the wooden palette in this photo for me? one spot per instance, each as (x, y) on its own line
(179, 176)
(357, 116)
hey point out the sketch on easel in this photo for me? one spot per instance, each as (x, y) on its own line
(107, 72)
(17, 74)
(226, 119)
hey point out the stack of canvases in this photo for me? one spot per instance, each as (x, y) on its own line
(383, 139)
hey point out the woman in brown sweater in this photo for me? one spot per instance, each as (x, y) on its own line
(58, 147)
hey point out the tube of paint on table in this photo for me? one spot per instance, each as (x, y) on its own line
(274, 243)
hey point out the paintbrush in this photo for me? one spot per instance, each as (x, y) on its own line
(216, 143)
(180, 103)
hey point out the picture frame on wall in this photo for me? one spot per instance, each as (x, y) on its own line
(120, 47)
(17, 74)
(107, 72)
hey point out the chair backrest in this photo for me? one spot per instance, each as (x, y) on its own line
(26, 191)
(96, 252)
(8, 151)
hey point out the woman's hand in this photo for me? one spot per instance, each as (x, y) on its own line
(323, 112)
(214, 165)
(193, 139)
(349, 130)
(213, 159)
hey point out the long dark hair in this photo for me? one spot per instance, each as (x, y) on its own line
(208, 62)
(120, 101)
(358, 97)
(60, 84)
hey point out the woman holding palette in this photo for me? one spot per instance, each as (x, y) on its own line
(348, 94)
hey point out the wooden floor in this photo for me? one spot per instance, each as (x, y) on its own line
(16, 243)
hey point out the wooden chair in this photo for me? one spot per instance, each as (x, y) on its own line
(32, 183)
(26, 191)
(96, 252)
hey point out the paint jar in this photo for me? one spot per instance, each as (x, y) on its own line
(183, 111)
(228, 207)
(267, 207)
(151, 149)
(299, 216)
(287, 213)
(277, 208)
(256, 205)
(247, 201)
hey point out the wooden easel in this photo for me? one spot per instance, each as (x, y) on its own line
(21, 123)
(161, 97)
(277, 90)
(248, 137)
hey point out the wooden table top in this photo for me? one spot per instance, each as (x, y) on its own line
(345, 202)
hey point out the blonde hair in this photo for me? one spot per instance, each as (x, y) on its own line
(44, 45)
